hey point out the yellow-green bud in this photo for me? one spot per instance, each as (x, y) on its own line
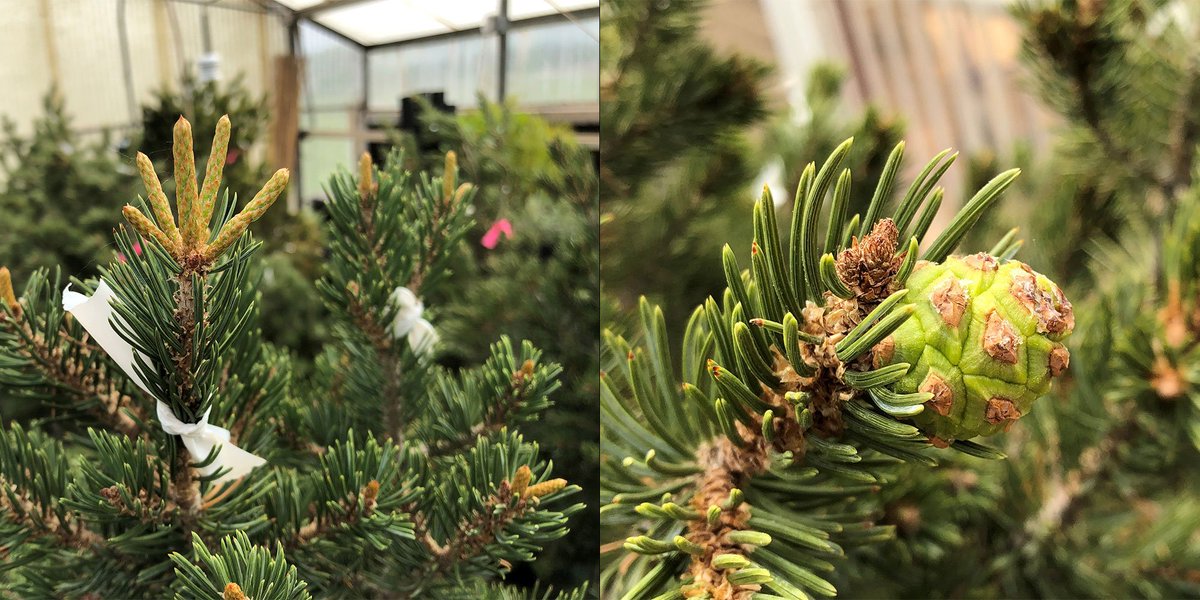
(7, 296)
(449, 175)
(146, 228)
(212, 176)
(366, 187)
(521, 480)
(545, 488)
(236, 226)
(185, 182)
(157, 199)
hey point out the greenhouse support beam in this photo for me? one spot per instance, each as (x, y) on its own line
(502, 50)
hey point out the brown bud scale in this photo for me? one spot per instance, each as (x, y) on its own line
(950, 301)
(1060, 359)
(1000, 410)
(943, 396)
(1001, 340)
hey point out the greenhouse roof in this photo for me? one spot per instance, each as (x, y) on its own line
(372, 23)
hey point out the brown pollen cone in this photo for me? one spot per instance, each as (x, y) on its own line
(870, 264)
(725, 467)
(233, 592)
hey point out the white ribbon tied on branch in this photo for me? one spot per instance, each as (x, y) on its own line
(408, 322)
(95, 313)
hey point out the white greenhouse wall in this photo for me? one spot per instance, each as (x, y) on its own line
(76, 44)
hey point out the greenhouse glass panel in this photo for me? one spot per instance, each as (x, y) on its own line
(461, 67)
(333, 76)
(320, 157)
(555, 63)
(377, 22)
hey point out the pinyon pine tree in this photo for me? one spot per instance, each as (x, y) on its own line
(756, 465)
(184, 460)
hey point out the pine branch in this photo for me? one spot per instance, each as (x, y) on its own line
(480, 529)
(391, 229)
(474, 533)
(88, 384)
(1088, 109)
(34, 478)
(42, 345)
(185, 487)
(389, 359)
(39, 519)
(353, 509)
(510, 387)
(739, 474)
(237, 571)
(438, 236)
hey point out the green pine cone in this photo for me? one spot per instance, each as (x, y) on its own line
(985, 340)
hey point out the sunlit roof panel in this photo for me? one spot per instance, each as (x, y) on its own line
(299, 4)
(382, 21)
(374, 22)
(524, 9)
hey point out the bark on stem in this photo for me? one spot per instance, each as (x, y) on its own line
(185, 487)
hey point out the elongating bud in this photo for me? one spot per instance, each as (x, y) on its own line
(250, 213)
(227, 236)
(449, 176)
(460, 192)
(212, 176)
(156, 197)
(6, 292)
(366, 186)
(144, 226)
(544, 488)
(521, 480)
(185, 182)
(267, 195)
(730, 561)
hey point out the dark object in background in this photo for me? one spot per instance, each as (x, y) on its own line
(413, 123)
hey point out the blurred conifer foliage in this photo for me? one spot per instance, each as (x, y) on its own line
(538, 280)
(58, 193)
(795, 138)
(675, 160)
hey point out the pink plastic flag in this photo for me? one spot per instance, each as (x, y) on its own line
(492, 237)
